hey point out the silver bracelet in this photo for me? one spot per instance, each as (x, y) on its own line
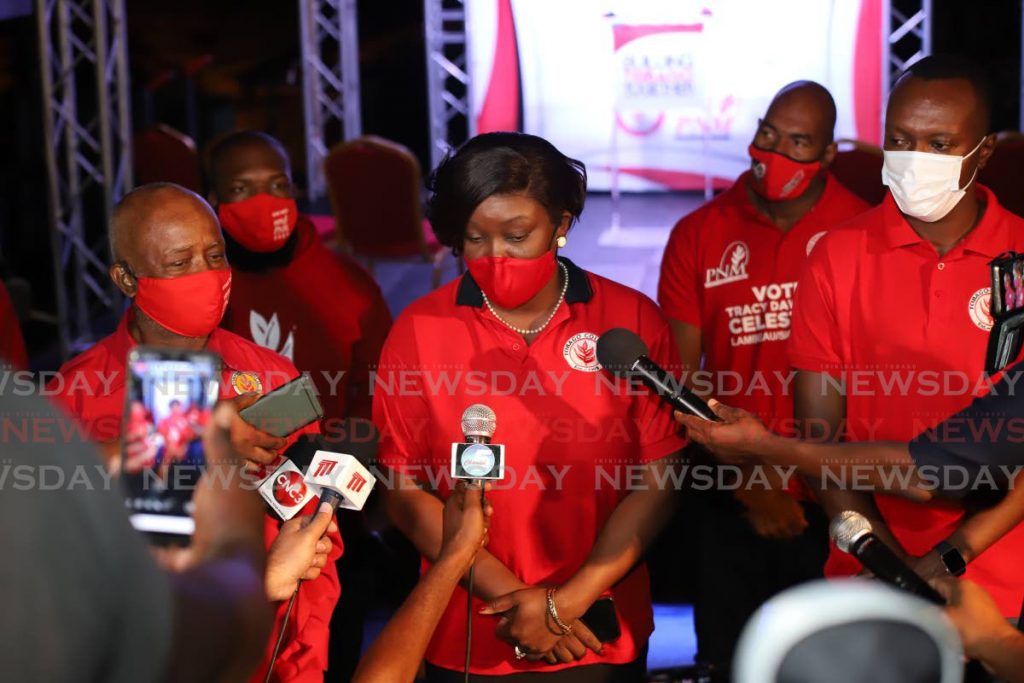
(553, 612)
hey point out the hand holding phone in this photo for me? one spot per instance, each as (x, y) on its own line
(285, 410)
(169, 400)
(253, 445)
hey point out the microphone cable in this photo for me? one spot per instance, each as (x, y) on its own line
(469, 602)
(280, 636)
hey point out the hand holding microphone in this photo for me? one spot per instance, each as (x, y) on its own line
(624, 354)
(299, 552)
(852, 533)
(467, 517)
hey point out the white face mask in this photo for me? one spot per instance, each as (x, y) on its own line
(925, 186)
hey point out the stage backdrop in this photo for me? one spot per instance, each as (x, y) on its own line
(671, 89)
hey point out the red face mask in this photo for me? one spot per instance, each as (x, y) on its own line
(190, 305)
(261, 223)
(777, 177)
(511, 282)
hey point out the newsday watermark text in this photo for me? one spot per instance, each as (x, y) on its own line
(952, 479)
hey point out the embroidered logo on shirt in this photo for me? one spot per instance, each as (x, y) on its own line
(580, 352)
(267, 333)
(814, 240)
(980, 308)
(732, 268)
(246, 382)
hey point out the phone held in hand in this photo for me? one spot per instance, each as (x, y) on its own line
(285, 410)
(602, 621)
(1006, 311)
(169, 402)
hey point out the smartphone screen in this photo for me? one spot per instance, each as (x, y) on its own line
(168, 405)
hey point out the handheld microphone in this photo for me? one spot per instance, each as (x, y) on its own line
(283, 487)
(343, 481)
(623, 353)
(287, 492)
(477, 458)
(852, 534)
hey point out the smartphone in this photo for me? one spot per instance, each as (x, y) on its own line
(285, 410)
(169, 401)
(602, 621)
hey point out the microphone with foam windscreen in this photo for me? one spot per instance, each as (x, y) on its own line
(851, 532)
(623, 353)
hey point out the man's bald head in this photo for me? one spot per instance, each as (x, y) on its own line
(150, 208)
(162, 230)
(813, 101)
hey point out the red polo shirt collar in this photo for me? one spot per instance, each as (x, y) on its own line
(987, 238)
(121, 342)
(737, 197)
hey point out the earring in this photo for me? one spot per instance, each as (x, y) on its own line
(561, 241)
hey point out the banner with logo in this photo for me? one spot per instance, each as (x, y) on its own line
(668, 91)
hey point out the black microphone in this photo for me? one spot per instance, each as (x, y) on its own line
(852, 534)
(623, 353)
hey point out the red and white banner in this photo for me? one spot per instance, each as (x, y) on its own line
(671, 90)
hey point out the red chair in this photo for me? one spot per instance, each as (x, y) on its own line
(162, 154)
(374, 185)
(1004, 172)
(858, 166)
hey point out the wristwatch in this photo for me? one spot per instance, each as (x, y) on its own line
(954, 560)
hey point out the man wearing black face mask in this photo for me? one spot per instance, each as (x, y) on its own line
(892, 323)
(727, 282)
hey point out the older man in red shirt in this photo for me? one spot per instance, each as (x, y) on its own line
(169, 260)
(891, 323)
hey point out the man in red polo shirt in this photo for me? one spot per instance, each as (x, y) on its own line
(289, 292)
(727, 284)
(169, 260)
(891, 322)
(321, 310)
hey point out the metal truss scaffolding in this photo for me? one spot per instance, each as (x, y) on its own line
(87, 129)
(906, 37)
(448, 92)
(329, 35)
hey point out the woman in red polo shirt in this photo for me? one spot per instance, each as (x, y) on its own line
(586, 465)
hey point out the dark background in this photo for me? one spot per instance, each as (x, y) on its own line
(247, 73)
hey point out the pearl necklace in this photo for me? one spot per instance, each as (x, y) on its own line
(561, 298)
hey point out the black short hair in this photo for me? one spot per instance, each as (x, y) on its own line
(238, 138)
(948, 67)
(502, 163)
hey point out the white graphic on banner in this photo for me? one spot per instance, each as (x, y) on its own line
(670, 93)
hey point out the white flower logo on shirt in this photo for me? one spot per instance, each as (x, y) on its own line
(267, 333)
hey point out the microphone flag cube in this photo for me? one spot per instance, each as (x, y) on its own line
(478, 461)
(286, 491)
(344, 475)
